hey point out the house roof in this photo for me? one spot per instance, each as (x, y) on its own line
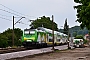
(87, 35)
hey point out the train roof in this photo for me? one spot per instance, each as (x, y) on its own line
(47, 30)
(28, 29)
(65, 34)
(42, 29)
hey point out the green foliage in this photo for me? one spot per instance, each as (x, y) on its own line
(3, 41)
(74, 34)
(85, 41)
(18, 33)
(83, 13)
(66, 27)
(6, 37)
(76, 30)
(77, 42)
(18, 42)
(79, 37)
(43, 21)
(89, 32)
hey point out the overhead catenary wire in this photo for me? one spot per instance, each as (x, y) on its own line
(23, 23)
(5, 15)
(14, 14)
(10, 12)
(16, 11)
(5, 18)
(11, 20)
(27, 17)
(11, 9)
(19, 15)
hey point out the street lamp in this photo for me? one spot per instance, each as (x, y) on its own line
(13, 30)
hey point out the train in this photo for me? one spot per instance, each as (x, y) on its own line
(42, 37)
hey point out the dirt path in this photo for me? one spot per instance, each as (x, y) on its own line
(75, 54)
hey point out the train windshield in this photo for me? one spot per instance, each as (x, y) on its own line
(29, 32)
(26, 32)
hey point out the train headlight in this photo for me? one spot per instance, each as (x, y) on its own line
(29, 40)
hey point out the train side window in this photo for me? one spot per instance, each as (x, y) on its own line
(50, 40)
(58, 40)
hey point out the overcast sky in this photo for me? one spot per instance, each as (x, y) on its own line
(32, 9)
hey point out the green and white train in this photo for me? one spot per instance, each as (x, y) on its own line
(42, 37)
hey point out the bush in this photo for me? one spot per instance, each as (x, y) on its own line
(85, 41)
(18, 43)
(3, 43)
(79, 37)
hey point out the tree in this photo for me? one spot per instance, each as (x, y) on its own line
(43, 21)
(83, 13)
(79, 37)
(3, 41)
(18, 33)
(17, 36)
(75, 34)
(66, 27)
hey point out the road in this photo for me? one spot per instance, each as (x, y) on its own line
(71, 54)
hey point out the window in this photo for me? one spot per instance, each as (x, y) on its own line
(50, 40)
(26, 32)
(29, 32)
(58, 40)
(32, 32)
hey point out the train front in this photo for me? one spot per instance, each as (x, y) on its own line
(29, 38)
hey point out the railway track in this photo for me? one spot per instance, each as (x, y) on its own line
(9, 50)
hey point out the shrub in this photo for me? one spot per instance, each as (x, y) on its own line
(79, 37)
(85, 41)
(3, 43)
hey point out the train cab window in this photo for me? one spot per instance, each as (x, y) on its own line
(50, 40)
(29, 32)
(32, 32)
(26, 32)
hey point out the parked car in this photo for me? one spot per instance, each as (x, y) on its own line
(78, 43)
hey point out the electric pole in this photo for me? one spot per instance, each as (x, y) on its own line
(13, 33)
(68, 38)
(13, 30)
(52, 33)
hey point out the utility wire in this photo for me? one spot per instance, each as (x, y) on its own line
(16, 11)
(5, 15)
(10, 9)
(5, 18)
(11, 20)
(14, 14)
(10, 12)
(23, 23)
